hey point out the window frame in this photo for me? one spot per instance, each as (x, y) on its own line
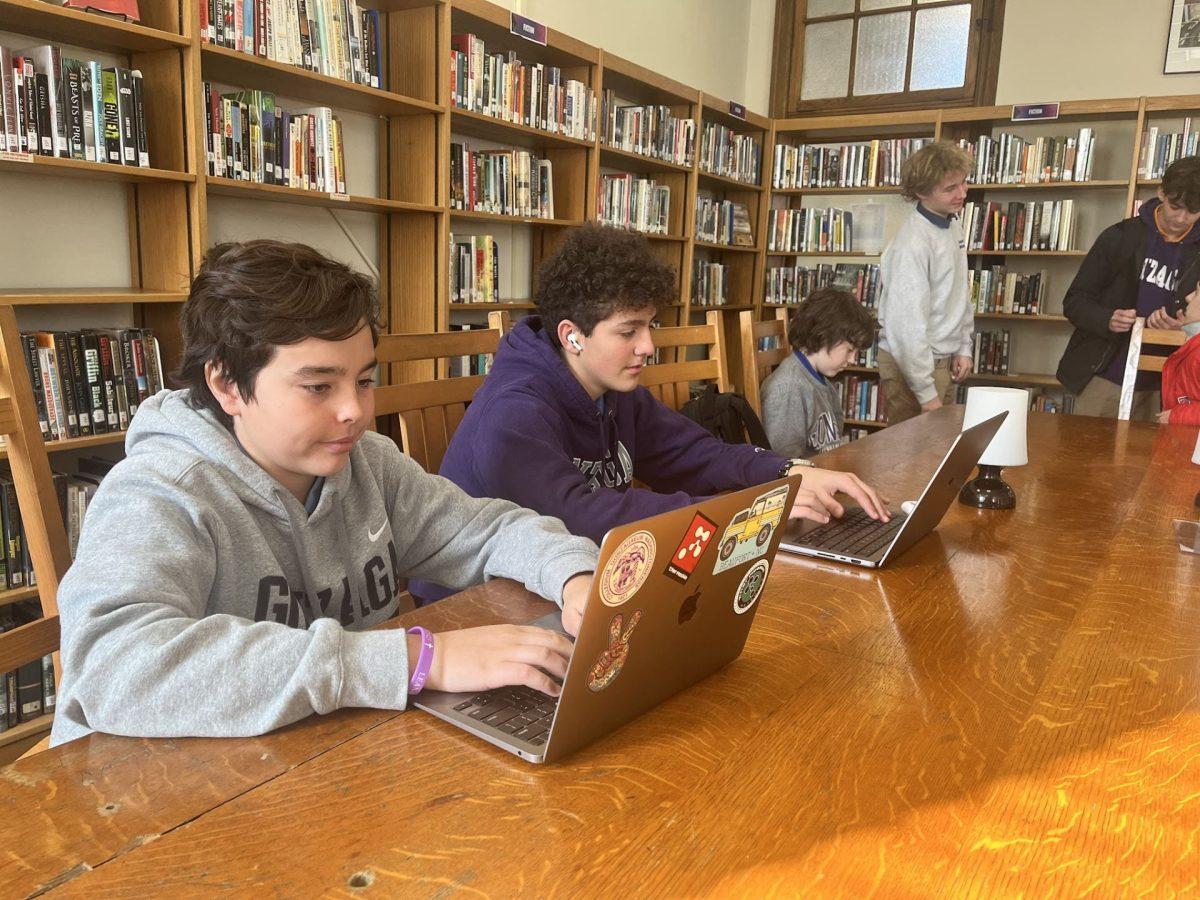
(979, 81)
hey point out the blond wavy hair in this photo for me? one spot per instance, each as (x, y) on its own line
(929, 166)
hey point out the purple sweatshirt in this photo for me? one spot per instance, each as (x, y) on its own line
(533, 435)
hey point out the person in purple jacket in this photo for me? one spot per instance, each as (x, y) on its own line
(562, 426)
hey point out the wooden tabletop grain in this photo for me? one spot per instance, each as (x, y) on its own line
(1009, 709)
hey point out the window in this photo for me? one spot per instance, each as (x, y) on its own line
(847, 55)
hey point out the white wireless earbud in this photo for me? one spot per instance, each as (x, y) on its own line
(573, 340)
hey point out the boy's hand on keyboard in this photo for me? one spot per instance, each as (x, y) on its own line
(824, 484)
(476, 659)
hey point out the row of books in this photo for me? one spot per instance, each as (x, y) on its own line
(26, 693)
(55, 105)
(90, 382)
(990, 354)
(1047, 225)
(639, 204)
(789, 285)
(502, 86)
(1012, 159)
(725, 152)
(857, 433)
(723, 222)
(1161, 148)
(506, 182)
(1039, 401)
(471, 363)
(997, 290)
(874, 163)
(810, 230)
(868, 356)
(336, 38)
(251, 138)
(862, 398)
(653, 131)
(710, 286)
(474, 269)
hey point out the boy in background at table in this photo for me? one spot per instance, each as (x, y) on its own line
(1181, 371)
(231, 564)
(802, 411)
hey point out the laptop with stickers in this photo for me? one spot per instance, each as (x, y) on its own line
(672, 601)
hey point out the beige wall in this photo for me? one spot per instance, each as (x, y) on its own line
(1099, 48)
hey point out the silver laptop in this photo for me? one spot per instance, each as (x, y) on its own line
(858, 539)
(672, 601)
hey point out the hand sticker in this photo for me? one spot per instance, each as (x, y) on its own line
(611, 661)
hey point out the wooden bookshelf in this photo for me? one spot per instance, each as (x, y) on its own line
(39, 19)
(29, 729)
(1050, 185)
(29, 164)
(1018, 317)
(511, 305)
(229, 187)
(865, 423)
(16, 595)
(86, 296)
(1042, 380)
(474, 124)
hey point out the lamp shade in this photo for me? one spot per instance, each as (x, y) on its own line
(1008, 447)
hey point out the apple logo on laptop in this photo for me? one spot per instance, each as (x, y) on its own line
(688, 608)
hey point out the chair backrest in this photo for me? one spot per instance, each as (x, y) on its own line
(670, 381)
(45, 536)
(430, 411)
(758, 364)
(1141, 338)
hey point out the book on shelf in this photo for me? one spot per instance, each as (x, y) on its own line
(337, 38)
(861, 397)
(126, 10)
(90, 382)
(474, 269)
(868, 357)
(991, 350)
(874, 163)
(789, 285)
(637, 204)
(1048, 225)
(471, 363)
(729, 154)
(1011, 159)
(1160, 148)
(56, 105)
(502, 86)
(505, 182)
(710, 284)
(723, 222)
(811, 230)
(653, 131)
(998, 290)
(251, 138)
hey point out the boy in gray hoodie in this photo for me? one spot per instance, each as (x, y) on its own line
(231, 565)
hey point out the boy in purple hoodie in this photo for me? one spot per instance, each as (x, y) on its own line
(561, 425)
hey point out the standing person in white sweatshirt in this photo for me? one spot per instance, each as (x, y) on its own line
(926, 321)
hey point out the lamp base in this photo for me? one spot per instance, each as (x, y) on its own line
(988, 490)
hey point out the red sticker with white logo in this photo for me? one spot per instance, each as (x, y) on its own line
(687, 555)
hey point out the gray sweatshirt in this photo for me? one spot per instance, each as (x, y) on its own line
(205, 601)
(923, 308)
(802, 413)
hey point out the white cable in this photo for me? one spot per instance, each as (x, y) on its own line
(354, 243)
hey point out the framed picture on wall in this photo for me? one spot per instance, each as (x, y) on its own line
(1183, 38)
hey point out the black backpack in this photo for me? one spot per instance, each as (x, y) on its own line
(728, 416)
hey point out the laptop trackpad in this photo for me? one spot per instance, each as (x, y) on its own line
(551, 621)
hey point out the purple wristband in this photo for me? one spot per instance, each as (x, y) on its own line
(424, 660)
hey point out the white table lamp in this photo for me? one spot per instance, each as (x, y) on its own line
(1008, 448)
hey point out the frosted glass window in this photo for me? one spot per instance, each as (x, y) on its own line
(884, 4)
(940, 48)
(826, 59)
(882, 54)
(828, 8)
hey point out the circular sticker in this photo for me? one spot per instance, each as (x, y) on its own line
(627, 569)
(751, 587)
(612, 658)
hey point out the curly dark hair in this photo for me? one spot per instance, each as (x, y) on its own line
(249, 298)
(827, 317)
(599, 271)
(1181, 183)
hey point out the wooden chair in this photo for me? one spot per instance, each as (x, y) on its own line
(45, 535)
(670, 381)
(1141, 337)
(758, 364)
(430, 411)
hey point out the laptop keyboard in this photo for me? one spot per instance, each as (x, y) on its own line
(520, 711)
(855, 534)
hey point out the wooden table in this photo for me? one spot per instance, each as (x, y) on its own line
(1011, 708)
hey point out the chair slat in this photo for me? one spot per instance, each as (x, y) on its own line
(8, 416)
(683, 336)
(437, 437)
(671, 373)
(408, 347)
(398, 398)
(28, 642)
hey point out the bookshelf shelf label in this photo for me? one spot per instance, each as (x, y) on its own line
(528, 29)
(1030, 112)
(738, 110)
(345, 198)
(15, 156)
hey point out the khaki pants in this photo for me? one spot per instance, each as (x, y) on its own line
(902, 403)
(1101, 398)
